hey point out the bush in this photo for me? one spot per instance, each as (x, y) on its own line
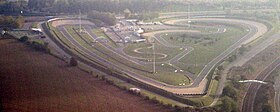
(267, 108)
(147, 98)
(228, 105)
(38, 45)
(11, 22)
(217, 78)
(23, 39)
(103, 77)
(105, 17)
(148, 16)
(127, 13)
(73, 62)
(97, 22)
(232, 58)
(154, 100)
(220, 68)
(230, 91)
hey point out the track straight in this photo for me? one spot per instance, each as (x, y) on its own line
(248, 102)
(170, 88)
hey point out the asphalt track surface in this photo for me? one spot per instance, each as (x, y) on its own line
(192, 89)
(277, 95)
(248, 102)
(244, 59)
(206, 70)
(107, 63)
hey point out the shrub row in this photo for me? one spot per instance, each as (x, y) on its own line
(37, 45)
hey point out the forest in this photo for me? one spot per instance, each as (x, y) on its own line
(118, 6)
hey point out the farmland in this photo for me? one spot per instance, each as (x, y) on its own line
(32, 80)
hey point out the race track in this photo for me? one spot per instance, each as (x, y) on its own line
(198, 86)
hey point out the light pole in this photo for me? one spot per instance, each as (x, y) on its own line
(154, 56)
(277, 10)
(194, 52)
(80, 20)
(189, 21)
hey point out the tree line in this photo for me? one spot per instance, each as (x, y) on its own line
(117, 6)
(11, 22)
(113, 6)
(13, 7)
(105, 17)
(142, 16)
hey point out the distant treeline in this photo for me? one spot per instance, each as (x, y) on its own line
(11, 22)
(118, 6)
(13, 7)
(105, 17)
(113, 6)
(138, 6)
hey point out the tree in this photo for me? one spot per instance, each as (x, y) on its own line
(73, 61)
(230, 91)
(61, 5)
(148, 16)
(19, 21)
(23, 39)
(127, 13)
(217, 77)
(11, 22)
(228, 11)
(105, 17)
(220, 68)
(266, 108)
(228, 105)
(249, 69)
(184, 35)
(242, 49)
(36, 4)
(232, 58)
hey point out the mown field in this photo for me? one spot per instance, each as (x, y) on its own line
(206, 46)
(165, 73)
(34, 81)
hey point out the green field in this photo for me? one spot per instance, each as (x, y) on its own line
(148, 52)
(206, 47)
(165, 74)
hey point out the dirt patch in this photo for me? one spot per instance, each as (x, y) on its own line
(34, 81)
(63, 22)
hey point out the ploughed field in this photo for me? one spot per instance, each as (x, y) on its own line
(35, 81)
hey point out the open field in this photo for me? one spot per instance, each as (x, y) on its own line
(32, 80)
(144, 52)
(166, 75)
(206, 49)
(169, 72)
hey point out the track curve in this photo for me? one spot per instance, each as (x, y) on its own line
(198, 86)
